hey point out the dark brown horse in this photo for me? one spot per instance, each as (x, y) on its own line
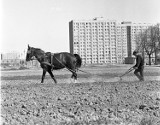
(50, 61)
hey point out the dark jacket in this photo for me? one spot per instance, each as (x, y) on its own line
(139, 61)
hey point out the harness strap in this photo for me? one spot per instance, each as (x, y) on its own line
(51, 64)
(69, 68)
(64, 65)
(52, 54)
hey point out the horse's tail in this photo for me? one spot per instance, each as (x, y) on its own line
(78, 60)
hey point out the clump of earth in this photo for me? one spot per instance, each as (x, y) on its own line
(101, 103)
(94, 100)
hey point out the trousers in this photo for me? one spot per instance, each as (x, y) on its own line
(139, 73)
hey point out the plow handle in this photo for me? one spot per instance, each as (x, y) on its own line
(128, 71)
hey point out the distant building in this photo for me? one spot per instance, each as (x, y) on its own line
(104, 41)
(10, 58)
(16, 59)
(94, 40)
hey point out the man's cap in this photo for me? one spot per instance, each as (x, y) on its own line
(135, 52)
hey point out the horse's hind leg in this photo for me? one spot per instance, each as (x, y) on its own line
(43, 75)
(52, 76)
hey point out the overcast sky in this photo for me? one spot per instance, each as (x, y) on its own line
(45, 23)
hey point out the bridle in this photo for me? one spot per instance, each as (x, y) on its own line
(30, 52)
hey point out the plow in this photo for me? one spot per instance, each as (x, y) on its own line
(114, 79)
(119, 78)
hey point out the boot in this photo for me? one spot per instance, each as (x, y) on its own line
(138, 76)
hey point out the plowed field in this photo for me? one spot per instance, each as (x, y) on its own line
(96, 99)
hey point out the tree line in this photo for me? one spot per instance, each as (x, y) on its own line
(148, 42)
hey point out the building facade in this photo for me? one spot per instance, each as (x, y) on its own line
(11, 57)
(103, 41)
(17, 59)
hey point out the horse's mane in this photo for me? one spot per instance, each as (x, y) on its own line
(39, 50)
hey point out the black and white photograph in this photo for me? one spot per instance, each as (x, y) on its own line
(80, 62)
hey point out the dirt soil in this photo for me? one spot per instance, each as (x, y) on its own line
(91, 101)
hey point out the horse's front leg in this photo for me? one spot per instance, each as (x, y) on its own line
(43, 75)
(74, 77)
(52, 76)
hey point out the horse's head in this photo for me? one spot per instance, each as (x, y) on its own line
(30, 53)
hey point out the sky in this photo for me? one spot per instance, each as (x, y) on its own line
(45, 23)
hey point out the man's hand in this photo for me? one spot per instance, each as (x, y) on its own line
(135, 67)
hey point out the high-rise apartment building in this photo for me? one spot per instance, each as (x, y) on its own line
(103, 41)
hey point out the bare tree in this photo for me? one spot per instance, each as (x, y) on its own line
(150, 42)
(158, 41)
(140, 40)
(147, 41)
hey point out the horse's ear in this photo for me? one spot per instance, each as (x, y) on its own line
(28, 46)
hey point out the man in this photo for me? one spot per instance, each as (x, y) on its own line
(139, 67)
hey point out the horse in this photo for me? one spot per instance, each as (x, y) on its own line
(54, 61)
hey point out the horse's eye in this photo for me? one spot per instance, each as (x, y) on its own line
(28, 52)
